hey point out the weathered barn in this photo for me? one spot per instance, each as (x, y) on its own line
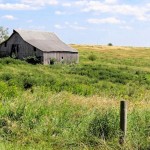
(45, 46)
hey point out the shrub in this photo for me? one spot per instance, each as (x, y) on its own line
(52, 61)
(32, 60)
(110, 44)
(28, 82)
(92, 57)
(6, 76)
(9, 60)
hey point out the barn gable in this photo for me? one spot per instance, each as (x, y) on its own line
(45, 41)
(44, 45)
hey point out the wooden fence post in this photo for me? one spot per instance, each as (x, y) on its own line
(123, 121)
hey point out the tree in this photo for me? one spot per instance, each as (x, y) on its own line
(110, 44)
(3, 34)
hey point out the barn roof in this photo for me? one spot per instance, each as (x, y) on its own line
(45, 41)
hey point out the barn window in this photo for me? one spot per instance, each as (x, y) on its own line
(34, 49)
(62, 57)
(5, 44)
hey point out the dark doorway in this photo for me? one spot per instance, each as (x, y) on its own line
(14, 51)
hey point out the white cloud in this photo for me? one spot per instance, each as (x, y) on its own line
(9, 17)
(138, 12)
(27, 4)
(81, 2)
(77, 27)
(74, 26)
(111, 1)
(60, 12)
(67, 4)
(10, 6)
(40, 2)
(96, 6)
(58, 26)
(126, 27)
(110, 20)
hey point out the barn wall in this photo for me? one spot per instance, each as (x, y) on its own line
(4, 51)
(24, 49)
(66, 57)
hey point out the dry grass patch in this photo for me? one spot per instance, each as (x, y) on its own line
(116, 51)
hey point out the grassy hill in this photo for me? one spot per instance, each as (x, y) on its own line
(76, 106)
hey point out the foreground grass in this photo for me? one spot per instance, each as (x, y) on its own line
(76, 106)
(65, 121)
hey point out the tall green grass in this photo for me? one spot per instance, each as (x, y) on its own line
(55, 122)
(49, 107)
(82, 79)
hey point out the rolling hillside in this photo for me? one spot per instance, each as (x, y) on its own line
(76, 106)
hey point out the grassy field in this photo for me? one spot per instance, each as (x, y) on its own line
(76, 106)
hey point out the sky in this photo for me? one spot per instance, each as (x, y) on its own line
(120, 22)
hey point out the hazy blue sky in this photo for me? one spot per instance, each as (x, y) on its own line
(121, 22)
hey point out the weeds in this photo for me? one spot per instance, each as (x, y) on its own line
(58, 106)
(92, 57)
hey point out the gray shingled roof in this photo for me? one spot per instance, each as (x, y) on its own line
(45, 41)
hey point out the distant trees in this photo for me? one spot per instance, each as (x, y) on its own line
(110, 44)
(3, 34)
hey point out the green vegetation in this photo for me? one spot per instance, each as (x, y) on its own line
(3, 34)
(32, 60)
(76, 106)
(92, 57)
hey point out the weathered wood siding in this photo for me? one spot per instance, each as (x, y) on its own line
(65, 57)
(24, 49)
(4, 51)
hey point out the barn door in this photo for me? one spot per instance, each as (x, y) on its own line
(14, 50)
